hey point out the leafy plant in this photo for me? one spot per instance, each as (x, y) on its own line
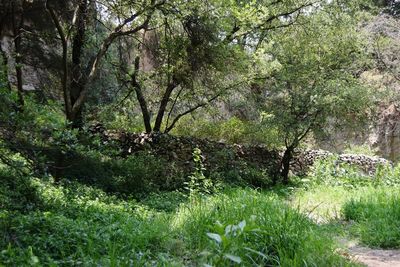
(331, 172)
(198, 184)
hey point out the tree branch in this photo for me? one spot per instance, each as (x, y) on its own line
(64, 41)
(95, 62)
(172, 107)
(177, 118)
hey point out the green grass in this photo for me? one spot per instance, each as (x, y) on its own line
(325, 203)
(71, 224)
(377, 217)
(253, 228)
(353, 205)
(68, 224)
(368, 214)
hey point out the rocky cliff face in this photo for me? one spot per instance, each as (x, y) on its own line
(383, 131)
(40, 50)
(386, 137)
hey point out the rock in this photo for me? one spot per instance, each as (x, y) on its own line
(387, 136)
(217, 155)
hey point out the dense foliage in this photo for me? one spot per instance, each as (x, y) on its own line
(90, 90)
(72, 224)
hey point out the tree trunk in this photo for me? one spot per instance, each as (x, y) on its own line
(163, 105)
(140, 97)
(285, 164)
(77, 84)
(64, 42)
(143, 107)
(4, 70)
(17, 43)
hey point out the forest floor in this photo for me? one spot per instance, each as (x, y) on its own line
(65, 224)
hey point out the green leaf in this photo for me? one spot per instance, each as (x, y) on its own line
(233, 258)
(215, 237)
(242, 224)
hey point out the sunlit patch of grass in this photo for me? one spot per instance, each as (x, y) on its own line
(324, 203)
(253, 228)
(377, 217)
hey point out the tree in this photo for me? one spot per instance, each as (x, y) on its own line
(78, 73)
(14, 12)
(201, 51)
(316, 81)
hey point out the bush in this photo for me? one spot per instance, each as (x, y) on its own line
(377, 218)
(73, 224)
(135, 175)
(330, 172)
(232, 130)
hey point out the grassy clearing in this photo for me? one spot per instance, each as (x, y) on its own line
(377, 217)
(253, 228)
(325, 203)
(368, 214)
(72, 224)
(353, 205)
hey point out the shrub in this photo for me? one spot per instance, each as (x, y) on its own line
(233, 130)
(330, 172)
(135, 175)
(198, 183)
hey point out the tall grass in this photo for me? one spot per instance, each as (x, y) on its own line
(377, 218)
(253, 229)
(71, 224)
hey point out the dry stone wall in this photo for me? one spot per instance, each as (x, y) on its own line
(306, 158)
(216, 155)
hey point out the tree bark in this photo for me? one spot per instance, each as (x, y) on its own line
(5, 68)
(163, 105)
(17, 31)
(285, 164)
(77, 84)
(140, 98)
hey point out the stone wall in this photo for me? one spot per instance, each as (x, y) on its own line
(306, 158)
(178, 151)
(216, 155)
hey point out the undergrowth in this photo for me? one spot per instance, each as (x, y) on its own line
(68, 224)
(369, 205)
(377, 218)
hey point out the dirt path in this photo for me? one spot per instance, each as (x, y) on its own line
(376, 257)
(372, 257)
(364, 255)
